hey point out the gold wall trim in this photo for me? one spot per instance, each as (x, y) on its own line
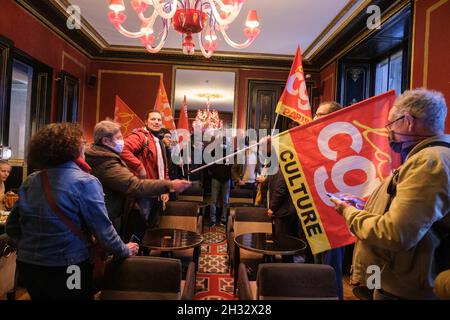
(426, 52)
(340, 28)
(49, 26)
(220, 69)
(82, 81)
(86, 28)
(364, 35)
(330, 26)
(133, 73)
(413, 44)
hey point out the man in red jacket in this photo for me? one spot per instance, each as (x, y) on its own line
(143, 154)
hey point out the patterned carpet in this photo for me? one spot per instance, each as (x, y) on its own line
(213, 278)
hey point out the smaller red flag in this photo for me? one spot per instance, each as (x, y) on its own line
(163, 106)
(124, 115)
(183, 122)
(294, 102)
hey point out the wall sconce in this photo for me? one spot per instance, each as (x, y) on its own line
(5, 152)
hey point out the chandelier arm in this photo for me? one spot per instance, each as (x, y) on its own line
(207, 54)
(159, 8)
(234, 44)
(232, 16)
(127, 33)
(152, 17)
(161, 42)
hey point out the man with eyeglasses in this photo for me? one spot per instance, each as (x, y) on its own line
(404, 229)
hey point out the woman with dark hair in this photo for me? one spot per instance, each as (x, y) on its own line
(59, 209)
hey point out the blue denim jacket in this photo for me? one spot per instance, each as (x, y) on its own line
(42, 237)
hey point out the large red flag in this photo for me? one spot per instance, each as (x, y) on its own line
(344, 152)
(163, 106)
(183, 123)
(124, 115)
(294, 102)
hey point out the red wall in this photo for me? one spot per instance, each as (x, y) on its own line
(432, 71)
(135, 83)
(328, 83)
(38, 41)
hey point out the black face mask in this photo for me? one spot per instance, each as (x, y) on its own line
(395, 145)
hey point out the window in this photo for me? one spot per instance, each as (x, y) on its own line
(22, 80)
(388, 74)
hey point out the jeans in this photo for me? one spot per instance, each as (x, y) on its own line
(219, 190)
(334, 258)
(51, 283)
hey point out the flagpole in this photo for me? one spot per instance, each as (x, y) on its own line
(234, 153)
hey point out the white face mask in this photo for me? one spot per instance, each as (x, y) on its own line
(119, 146)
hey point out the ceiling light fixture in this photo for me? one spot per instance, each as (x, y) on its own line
(187, 17)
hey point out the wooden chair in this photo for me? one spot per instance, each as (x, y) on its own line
(248, 220)
(288, 281)
(147, 278)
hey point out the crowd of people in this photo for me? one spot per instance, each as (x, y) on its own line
(118, 186)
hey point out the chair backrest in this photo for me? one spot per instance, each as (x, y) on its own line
(180, 215)
(194, 193)
(241, 196)
(296, 281)
(251, 219)
(7, 264)
(142, 278)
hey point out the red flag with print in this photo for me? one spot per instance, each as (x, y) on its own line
(294, 102)
(124, 115)
(163, 106)
(344, 152)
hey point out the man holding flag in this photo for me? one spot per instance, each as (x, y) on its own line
(404, 230)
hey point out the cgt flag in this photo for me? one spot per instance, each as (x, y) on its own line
(294, 102)
(344, 152)
(163, 106)
(126, 117)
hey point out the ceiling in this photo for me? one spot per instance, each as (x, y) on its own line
(284, 24)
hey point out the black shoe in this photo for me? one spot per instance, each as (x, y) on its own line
(212, 224)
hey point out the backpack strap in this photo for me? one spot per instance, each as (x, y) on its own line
(52, 203)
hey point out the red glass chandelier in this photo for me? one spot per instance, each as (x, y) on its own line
(187, 17)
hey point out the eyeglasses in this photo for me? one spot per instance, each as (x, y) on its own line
(392, 122)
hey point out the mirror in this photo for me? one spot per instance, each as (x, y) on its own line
(201, 86)
(68, 94)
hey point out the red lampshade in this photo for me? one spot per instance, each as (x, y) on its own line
(252, 19)
(228, 5)
(139, 6)
(116, 5)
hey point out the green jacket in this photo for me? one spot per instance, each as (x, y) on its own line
(395, 232)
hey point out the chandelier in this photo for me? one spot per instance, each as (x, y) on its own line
(187, 17)
(207, 119)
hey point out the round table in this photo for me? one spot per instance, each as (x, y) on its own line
(267, 244)
(169, 240)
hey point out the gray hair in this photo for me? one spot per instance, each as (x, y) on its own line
(426, 105)
(333, 106)
(105, 129)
